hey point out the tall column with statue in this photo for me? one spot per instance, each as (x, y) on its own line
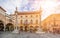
(16, 23)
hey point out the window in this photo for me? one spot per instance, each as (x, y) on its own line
(26, 21)
(36, 15)
(31, 22)
(21, 22)
(31, 15)
(26, 16)
(36, 21)
(21, 16)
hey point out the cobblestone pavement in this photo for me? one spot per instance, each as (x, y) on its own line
(28, 35)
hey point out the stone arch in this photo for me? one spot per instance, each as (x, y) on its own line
(9, 27)
(21, 28)
(26, 28)
(1, 25)
(36, 28)
(31, 28)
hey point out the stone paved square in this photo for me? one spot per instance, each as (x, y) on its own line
(28, 35)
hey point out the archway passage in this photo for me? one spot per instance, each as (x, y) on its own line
(21, 28)
(1, 25)
(26, 28)
(36, 28)
(31, 28)
(9, 27)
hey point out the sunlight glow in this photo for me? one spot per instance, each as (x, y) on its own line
(48, 6)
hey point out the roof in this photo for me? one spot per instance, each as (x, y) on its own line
(2, 9)
(27, 13)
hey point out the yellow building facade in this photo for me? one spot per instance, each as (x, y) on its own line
(27, 20)
(52, 23)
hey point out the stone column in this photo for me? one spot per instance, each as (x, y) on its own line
(5, 24)
(4, 27)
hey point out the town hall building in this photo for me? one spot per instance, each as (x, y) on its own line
(27, 20)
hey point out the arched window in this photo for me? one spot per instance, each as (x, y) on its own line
(21, 21)
(31, 21)
(36, 15)
(26, 21)
(21, 16)
(36, 21)
(26, 16)
(31, 16)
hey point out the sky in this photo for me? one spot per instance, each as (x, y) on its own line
(48, 7)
